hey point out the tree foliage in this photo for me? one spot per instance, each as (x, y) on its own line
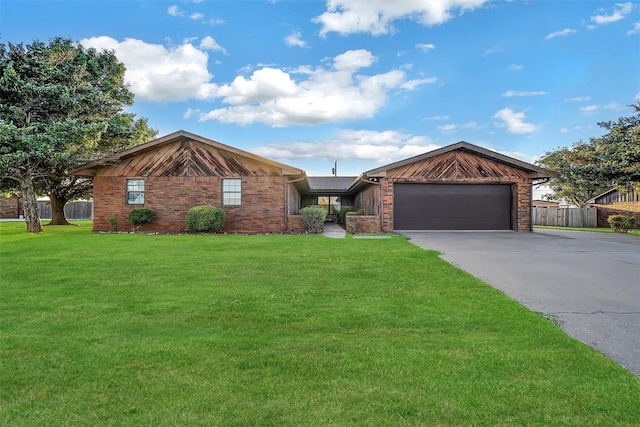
(60, 104)
(588, 168)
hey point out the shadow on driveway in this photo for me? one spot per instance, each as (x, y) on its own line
(589, 281)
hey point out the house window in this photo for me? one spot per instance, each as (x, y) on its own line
(135, 191)
(330, 203)
(231, 192)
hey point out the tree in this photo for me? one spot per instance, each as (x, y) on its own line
(123, 131)
(59, 103)
(589, 168)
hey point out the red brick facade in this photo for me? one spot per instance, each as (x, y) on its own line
(184, 170)
(261, 211)
(362, 224)
(604, 211)
(10, 207)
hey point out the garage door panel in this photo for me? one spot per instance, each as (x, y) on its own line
(452, 207)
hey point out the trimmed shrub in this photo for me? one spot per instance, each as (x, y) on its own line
(205, 219)
(140, 216)
(313, 218)
(622, 223)
(342, 213)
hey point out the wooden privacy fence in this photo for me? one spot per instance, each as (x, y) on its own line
(73, 210)
(565, 217)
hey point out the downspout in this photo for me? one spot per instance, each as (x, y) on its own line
(286, 201)
(543, 181)
(380, 202)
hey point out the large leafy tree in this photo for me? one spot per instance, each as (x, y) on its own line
(59, 104)
(589, 168)
(122, 131)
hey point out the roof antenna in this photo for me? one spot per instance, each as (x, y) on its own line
(334, 169)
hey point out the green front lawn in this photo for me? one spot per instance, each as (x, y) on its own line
(594, 229)
(124, 329)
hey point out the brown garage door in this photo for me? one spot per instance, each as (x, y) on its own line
(451, 207)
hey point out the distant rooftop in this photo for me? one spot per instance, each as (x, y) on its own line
(330, 183)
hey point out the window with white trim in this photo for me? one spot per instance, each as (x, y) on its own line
(231, 192)
(135, 191)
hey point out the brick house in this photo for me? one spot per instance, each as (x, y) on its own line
(460, 186)
(616, 202)
(171, 174)
(10, 206)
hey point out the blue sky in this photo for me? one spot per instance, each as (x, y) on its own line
(361, 82)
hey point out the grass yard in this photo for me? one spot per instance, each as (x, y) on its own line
(178, 330)
(635, 232)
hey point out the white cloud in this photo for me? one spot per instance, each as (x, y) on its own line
(620, 12)
(637, 97)
(376, 16)
(511, 93)
(190, 113)
(564, 130)
(382, 147)
(425, 47)
(196, 16)
(209, 43)
(174, 11)
(448, 127)
(514, 122)
(561, 33)
(473, 125)
(635, 29)
(589, 109)
(516, 67)
(614, 106)
(578, 99)
(492, 51)
(322, 95)
(160, 74)
(295, 40)
(436, 118)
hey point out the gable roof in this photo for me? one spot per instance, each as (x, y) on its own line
(320, 184)
(465, 146)
(90, 168)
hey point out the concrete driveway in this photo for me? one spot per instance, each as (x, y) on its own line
(590, 282)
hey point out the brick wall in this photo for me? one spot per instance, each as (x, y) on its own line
(10, 207)
(262, 209)
(295, 224)
(362, 224)
(604, 211)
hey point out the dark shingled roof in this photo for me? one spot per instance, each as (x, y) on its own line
(330, 183)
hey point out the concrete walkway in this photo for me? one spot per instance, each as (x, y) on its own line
(333, 231)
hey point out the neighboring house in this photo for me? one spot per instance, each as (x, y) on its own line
(11, 207)
(615, 201)
(545, 204)
(458, 187)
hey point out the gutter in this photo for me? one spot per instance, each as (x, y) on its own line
(380, 201)
(286, 201)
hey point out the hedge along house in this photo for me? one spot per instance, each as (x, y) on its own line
(458, 187)
(174, 173)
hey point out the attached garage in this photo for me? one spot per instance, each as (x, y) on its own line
(457, 187)
(452, 207)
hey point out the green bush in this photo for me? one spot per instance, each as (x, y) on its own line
(137, 217)
(205, 219)
(342, 213)
(313, 218)
(622, 223)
